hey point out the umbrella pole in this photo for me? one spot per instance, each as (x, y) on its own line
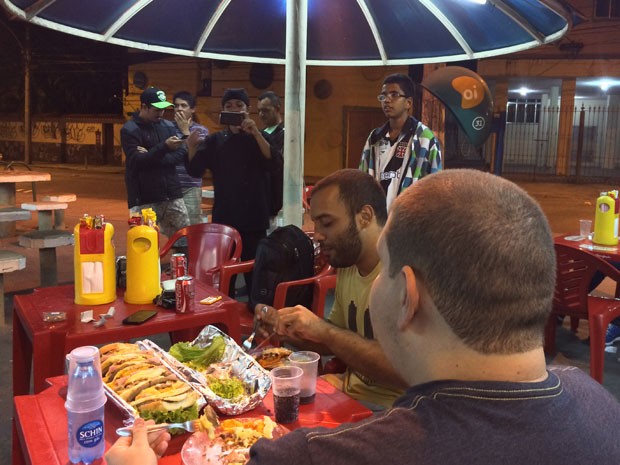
(294, 110)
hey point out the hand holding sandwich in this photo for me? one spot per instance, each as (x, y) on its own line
(140, 448)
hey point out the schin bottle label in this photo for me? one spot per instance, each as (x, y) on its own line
(90, 434)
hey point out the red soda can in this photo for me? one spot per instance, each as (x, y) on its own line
(184, 293)
(178, 265)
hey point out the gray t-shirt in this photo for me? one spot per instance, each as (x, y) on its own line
(568, 419)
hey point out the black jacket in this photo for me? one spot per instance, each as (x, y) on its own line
(276, 175)
(150, 177)
(240, 178)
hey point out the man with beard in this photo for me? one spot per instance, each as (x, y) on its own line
(403, 150)
(348, 210)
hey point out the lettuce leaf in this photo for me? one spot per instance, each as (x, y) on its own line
(175, 416)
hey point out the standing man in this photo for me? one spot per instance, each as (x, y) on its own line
(184, 109)
(269, 111)
(403, 150)
(348, 209)
(152, 150)
(240, 159)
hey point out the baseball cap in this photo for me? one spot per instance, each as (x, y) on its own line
(236, 93)
(155, 97)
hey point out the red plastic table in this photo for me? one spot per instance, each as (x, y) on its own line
(40, 424)
(606, 252)
(42, 346)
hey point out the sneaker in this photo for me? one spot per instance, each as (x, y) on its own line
(612, 335)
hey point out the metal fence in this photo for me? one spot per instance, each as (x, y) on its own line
(531, 148)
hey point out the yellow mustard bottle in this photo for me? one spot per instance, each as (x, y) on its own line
(94, 264)
(143, 267)
(606, 220)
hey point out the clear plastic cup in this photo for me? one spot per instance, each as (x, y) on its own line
(309, 362)
(585, 228)
(85, 386)
(286, 385)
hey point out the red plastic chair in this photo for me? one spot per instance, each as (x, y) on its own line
(324, 279)
(575, 268)
(210, 246)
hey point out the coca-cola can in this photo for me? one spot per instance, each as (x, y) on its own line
(184, 294)
(178, 265)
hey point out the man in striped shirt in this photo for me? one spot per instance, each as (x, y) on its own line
(403, 150)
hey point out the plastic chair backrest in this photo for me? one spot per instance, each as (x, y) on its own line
(209, 246)
(575, 269)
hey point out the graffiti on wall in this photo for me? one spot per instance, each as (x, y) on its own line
(48, 131)
(8, 131)
(79, 132)
(45, 131)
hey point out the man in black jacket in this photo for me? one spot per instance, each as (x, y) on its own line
(240, 159)
(269, 108)
(152, 151)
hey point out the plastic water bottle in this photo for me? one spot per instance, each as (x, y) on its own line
(85, 406)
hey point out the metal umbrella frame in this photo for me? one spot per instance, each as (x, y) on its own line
(297, 33)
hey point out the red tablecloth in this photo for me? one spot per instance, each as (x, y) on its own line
(40, 425)
(42, 346)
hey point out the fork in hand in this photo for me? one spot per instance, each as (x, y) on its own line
(189, 425)
(247, 344)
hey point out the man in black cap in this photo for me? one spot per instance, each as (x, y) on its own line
(152, 150)
(240, 160)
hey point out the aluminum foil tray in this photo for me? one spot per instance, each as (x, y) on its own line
(254, 377)
(130, 411)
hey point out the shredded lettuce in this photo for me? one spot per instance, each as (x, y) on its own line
(230, 388)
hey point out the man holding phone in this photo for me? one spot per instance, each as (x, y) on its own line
(152, 150)
(240, 160)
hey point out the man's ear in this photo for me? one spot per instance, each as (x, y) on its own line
(410, 296)
(365, 216)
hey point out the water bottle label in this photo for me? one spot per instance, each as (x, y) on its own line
(90, 434)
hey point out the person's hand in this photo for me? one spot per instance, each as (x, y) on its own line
(173, 142)
(141, 149)
(268, 319)
(193, 141)
(139, 448)
(183, 123)
(249, 125)
(300, 323)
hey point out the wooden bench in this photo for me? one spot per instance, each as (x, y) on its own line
(9, 261)
(45, 210)
(46, 242)
(59, 215)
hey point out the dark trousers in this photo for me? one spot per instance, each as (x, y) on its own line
(249, 242)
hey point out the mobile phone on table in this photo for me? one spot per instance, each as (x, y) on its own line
(139, 317)
(231, 118)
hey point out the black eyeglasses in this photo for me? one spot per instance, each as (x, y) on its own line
(391, 95)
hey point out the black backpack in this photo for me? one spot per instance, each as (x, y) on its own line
(287, 254)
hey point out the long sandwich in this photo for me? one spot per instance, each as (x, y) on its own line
(140, 379)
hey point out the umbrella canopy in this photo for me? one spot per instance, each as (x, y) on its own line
(339, 32)
(315, 32)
